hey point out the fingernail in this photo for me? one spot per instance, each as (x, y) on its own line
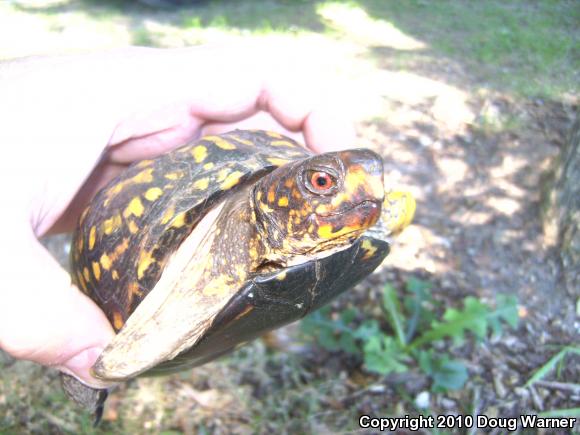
(80, 365)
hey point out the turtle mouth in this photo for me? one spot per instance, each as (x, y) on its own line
(354, 219)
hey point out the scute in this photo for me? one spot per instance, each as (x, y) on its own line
(132, 226)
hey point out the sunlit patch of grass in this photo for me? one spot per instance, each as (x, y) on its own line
(528, 47)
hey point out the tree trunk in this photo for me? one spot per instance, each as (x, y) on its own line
(562, 209)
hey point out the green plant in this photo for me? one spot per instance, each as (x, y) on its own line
(557, 361)
(414, 331)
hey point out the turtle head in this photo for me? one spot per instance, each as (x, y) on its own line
(318, 203)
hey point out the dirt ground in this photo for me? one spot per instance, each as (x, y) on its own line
(475, 157)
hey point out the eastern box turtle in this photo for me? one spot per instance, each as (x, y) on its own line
(217, 242)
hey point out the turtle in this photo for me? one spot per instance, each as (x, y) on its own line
(207, 247)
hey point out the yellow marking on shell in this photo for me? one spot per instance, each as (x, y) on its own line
(231, 180)
(133, 227)
(134, 208)
(86, 274)
(296, 194)
(282, 143)
(222, 174)
(153, 193)
(133, 290)
(199, 153)
(119, 249)
(144, 163)
(117, 320)
(281, 276)
(96, 270)
(283, 201)
(168, 215)
(84, 215)
(274, 134)
(208, 166)
(105, 261)
(92, 237)
(277, 161)
(264, 207)
(244, 141)
(111, 224)
(115, 275)
(145, 176)
(220, 142)
(201, 184)
(80, 244)
(369, 248)
(81, 281)
(174, 175)
(145, 260)
(398, 210)
(179, 220)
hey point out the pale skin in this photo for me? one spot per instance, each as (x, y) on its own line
(69, 124)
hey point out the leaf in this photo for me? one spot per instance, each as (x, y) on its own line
(383, 355)
(395, 315)
(447, 374)
(552, 362)
(559, 413)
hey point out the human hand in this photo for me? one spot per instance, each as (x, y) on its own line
(69, 124)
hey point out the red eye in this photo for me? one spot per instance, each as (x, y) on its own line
(321, 181)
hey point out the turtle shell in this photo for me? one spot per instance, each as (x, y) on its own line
(133, 225)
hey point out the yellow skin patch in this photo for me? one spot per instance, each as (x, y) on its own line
(283, 201)
(96, 270)
(199, 153)
(369, 248)
(105, 261)
(201, 184)
(92, 237)
(325, 231)
(134, 208)
(153, 193)
(111, 224)
(231, 180)
(220, 142)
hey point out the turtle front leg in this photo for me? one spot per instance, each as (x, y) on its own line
(91, 399)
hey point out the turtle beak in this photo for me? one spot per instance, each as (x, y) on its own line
(398, 211)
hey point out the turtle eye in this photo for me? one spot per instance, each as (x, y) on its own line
(321, 182)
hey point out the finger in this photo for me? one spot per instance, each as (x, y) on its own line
(43, 318)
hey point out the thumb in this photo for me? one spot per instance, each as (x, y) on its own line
(46, 319)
